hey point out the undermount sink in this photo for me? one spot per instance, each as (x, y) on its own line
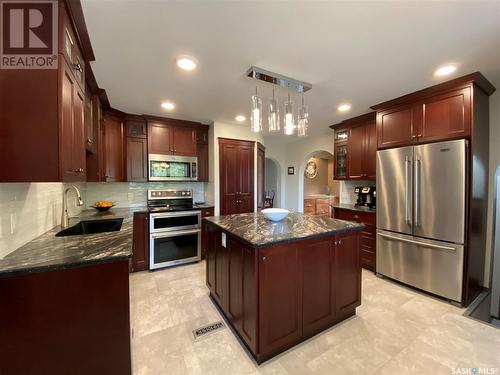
(92, 226)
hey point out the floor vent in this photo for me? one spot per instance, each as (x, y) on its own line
(205, 330)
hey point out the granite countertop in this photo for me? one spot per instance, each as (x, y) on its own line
(48, 252)
(256, 230)
(352, 207)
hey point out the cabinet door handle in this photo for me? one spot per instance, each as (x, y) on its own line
(414, 136)
(264, 258)
(340, 242)
(78, 67)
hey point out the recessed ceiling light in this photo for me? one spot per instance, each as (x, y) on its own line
(240, 118)
(445, 70)
(186, 62)
(344, 107)
(168, 105)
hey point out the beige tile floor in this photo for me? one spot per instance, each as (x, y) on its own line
(396, 331)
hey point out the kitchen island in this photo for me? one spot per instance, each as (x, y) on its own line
(279, 283)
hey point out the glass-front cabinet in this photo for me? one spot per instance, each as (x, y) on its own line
(340, 153)
(340, 161)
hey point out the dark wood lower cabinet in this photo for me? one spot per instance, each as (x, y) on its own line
(208, 211)
(368, 240)
(140, 242)
(277, 296)
(67, 321)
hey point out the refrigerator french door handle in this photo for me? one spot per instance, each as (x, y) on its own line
(418, 162)
(407, 187)
(433, 246)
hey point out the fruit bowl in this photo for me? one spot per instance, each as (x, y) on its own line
(102, 206)
(275, 214)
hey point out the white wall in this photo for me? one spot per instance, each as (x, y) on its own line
(318, 184)
(295, 154)
(494, 162)
(273, 179)
(27, 210)
(223, 130)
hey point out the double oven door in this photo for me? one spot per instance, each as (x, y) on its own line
(175, 238)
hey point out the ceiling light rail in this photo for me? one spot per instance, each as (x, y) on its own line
(278, 79)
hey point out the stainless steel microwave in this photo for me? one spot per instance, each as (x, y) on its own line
(172, 168)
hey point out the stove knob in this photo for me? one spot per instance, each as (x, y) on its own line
(183, 193)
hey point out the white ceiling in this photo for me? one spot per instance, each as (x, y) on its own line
(360, 52)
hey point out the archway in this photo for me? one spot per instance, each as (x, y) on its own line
(322, 183)
(273, 180)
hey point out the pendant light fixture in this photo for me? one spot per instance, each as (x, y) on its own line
(302, 119)
(256, 113)
(274, 115)
(288, 117)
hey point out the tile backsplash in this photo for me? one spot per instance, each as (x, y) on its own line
(28, 210)
(134, 194)
(347, 194)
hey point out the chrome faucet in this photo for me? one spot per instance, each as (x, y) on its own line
(65, 215)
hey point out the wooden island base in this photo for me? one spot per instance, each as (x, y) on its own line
(279, 295)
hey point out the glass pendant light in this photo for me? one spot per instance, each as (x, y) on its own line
(288, 117)
(302, 119)
(274, 115)
(256, 113)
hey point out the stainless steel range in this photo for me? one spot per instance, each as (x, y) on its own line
(174, 228)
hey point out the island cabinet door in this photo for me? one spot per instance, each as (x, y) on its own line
(280, 300)
(217, 267)
(318, 288)
(347, 273)
(242, 291)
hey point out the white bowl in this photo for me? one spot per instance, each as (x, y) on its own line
(275, 214)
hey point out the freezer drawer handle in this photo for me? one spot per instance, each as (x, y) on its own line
(419, 243)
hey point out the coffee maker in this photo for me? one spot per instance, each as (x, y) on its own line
(366, 196)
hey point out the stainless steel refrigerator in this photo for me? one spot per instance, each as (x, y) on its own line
(421, 216)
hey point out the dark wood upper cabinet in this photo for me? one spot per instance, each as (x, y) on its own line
(135, 127)
(202, 153)
(168, 139)
(356, 152)
(72, 162)
(371, 151)
(202, 136)
(445, 116)
(184, 141)
(136, 150)
(340, 161)
(437, 113)
(396, 127)
(160, 139)
(140, 242)
(355, 148)
(236, 176)
(113, 148)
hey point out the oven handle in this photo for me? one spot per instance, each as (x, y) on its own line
(174, 233)
(174, 214)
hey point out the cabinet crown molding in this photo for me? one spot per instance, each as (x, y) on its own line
(476, 79)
